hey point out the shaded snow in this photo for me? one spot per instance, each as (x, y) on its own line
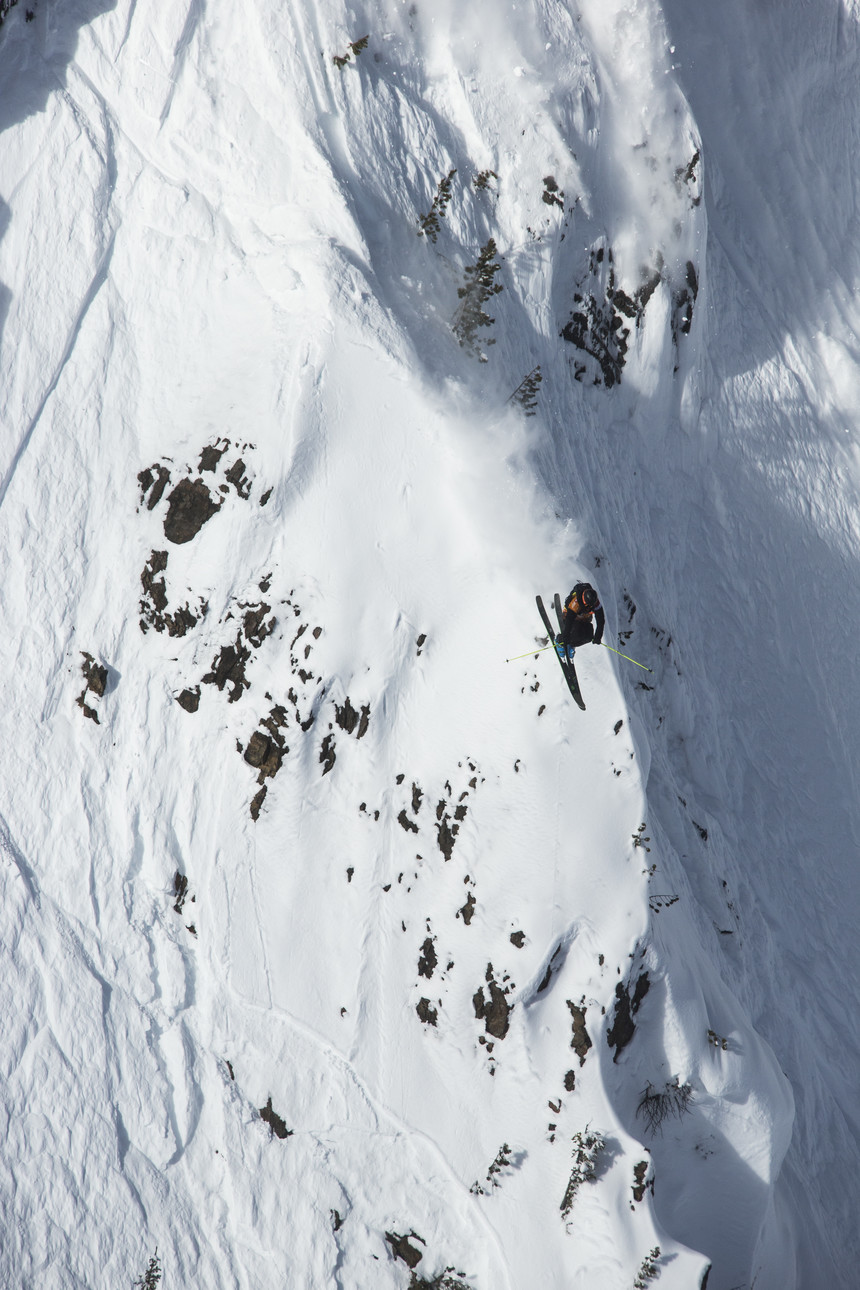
(368, 874)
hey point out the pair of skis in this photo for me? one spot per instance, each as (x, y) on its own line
(567, 668)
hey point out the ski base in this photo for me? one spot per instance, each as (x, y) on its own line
(567, 668)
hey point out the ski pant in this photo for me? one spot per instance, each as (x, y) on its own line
(577, 631)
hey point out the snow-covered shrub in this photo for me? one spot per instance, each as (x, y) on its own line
(649, 1270)
(355, 48)
(587, 1146)
(482, 181)
(656, 1105)
(444, 1281)
(478, 289)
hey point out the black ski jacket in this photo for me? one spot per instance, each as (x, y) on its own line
(578, 627)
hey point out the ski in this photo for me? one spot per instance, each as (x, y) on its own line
(572, 678)
(567, 668)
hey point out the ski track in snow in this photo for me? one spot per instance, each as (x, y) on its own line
(229, 260)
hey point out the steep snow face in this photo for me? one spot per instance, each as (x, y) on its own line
(333, 936)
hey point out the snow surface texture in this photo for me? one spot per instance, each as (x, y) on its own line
(281, 829)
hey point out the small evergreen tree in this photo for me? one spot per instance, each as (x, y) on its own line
(502, 1161)
(525, 395)
(587, 1146)
(478, 289)
(429, 224)
(152, 1275)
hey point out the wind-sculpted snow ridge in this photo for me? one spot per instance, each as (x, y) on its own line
(339, 951)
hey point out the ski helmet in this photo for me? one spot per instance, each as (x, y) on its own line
(588, 598)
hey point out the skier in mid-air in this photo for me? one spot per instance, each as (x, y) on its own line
(581, 607)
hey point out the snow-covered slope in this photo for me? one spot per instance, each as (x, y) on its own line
(282, 830)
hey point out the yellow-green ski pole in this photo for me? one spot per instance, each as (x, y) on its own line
(627, 656)
(539, 649)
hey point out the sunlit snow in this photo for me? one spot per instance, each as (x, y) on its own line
(337, 950)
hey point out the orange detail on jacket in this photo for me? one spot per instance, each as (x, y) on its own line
(579, 611)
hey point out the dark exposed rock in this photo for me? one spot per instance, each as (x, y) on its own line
(686, 174)
(180, 890)
(154, 588)
(156, 478)
(581, 1041)
(327, 754)
(403, 1250)
(277, 1127)
(257, 802)
(427, 960)
(466, 911)
(211, 455)
(86, 709)
(236, 476)
(683, 299)
(626, 1007)
(189, 699)
(348, 719)
(552, 194)
(404, 821)
(95, 673)
(189, 506)
(182, 619)
(642, 987)
(570, 1081)
(264, 755)
(254, 624)
(641, 1180)
(346, 716)
(446, 836)
(518, 939)
(275, 721)
(228, 669)
(153, 604)
(494, 1014)
(427, 1014)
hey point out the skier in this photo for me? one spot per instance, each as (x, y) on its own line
(581, 606)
